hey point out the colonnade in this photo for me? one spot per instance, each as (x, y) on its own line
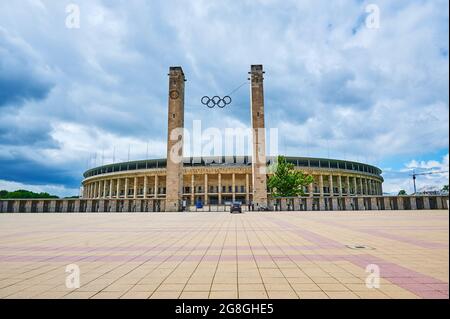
(217, 187)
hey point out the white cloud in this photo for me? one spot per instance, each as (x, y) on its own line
(333, 87)
(403, 179)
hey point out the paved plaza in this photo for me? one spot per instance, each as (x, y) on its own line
(222, 255)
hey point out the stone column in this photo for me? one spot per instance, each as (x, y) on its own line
(322, 203)
(206, 189)
(374, 204)
(247, 191)
(348, 203)
(361, 185)
(145, 186)
(174, 171)
(309, 202)
(311, 189)
(135, 187)
(348, 185)
(355, 186)
(330, 182)
(192, 189)
(28, 206)
(156, 186)
(439, 203)
(101, 206)
(40, 206)
(65, 206)
(52, 206)
(126, 188)
(76, 206)
(367, 186)
(426, 202)
(118, 188)
(104, 189)
(413, 200)
(361, 204)
(219, 183)
(233, 183)
(321, 185)
(259, 138)
(340, 185)
(400, 204)
(111, 181)
(387, 203)
(334, 204)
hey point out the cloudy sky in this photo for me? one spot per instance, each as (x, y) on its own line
(335, 86)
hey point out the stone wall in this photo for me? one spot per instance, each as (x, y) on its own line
(336, 203)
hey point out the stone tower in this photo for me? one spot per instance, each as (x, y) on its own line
(259, 137)
(174, 171)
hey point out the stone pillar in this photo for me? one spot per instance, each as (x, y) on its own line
(361, 185)
(65, 206)
(259, 139)
(426, 202)
(174, 171)
(118, 188)
(247, 186)
(135, 187)
(400, 204)
(40, 206)
(206, 189)
(348, 185)
(348, 203)
(413, 202)
(192, 189)
(309, 203)
(374, 204)
(101, 206)
(322, 203)
(126, 188)
(439, 203)
(355, 186)
(283, 204)
(330, 182)
(361, 204)
(311, 190)
(233, 186)
(156, 186)
(76, 206)
(334, 203)
(52, 206)
(321, 185)
(145, 186)
(111, 181)
(387, 203)
(367, 186)
(28, 204)
(340, 185)
(219, 182)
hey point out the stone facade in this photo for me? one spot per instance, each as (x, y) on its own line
(217, 184)
(338, 203)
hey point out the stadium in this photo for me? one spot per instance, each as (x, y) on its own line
(219, 181)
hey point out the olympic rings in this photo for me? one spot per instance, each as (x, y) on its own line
(216, 101)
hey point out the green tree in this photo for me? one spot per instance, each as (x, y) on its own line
(22, 193)
(286, 181)
(402, 193)
(445, 188)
